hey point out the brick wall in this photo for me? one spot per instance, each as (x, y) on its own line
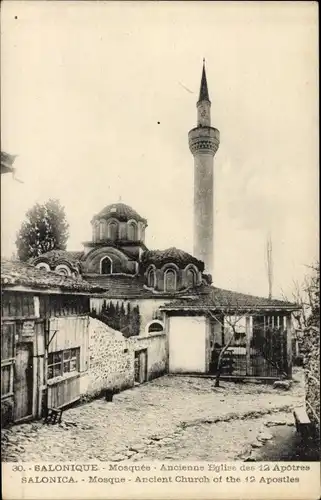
(310, 345)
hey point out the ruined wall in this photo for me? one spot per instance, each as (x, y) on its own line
(310, 345)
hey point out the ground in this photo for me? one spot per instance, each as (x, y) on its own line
(170, 418)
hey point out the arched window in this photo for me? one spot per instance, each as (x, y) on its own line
(170, 279)
(113, 230)
(190, 277)
(151, 278)
(62, 269)
(155, 326)
(101, 230)
(132, 231)
(44, 266)
(106, 265)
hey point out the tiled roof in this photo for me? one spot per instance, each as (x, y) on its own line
(121, 212)
(21, 273)
(218, 298)
(131, 287)
(175, 255)
(55, 256)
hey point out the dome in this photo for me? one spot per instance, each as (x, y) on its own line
(174, 255)
(121, 212)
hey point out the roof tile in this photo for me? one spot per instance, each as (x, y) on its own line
(25, 274)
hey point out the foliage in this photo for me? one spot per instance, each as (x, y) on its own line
(44, 229)
(307, 296)
(125, 320)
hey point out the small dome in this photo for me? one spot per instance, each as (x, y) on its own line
(174, 255)
(56, 257)
(121, 212)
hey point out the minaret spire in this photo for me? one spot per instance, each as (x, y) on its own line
(203, 96)
(204, 141)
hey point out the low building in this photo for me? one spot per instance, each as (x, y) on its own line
(44, 338)
(54, 354)
(256, 333)
(172, 282)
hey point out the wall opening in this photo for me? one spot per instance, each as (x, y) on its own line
(106, 265)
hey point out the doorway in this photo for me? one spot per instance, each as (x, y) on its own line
(141, 366)
(23, 381)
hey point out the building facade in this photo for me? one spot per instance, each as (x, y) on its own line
(172, 289)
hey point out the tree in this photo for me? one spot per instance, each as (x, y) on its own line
(230, 323)
(44, 229)
(307, 296)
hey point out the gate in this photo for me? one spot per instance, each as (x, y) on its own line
(264, 355)
(23, 381)
(141, 366)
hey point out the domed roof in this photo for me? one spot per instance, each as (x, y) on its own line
(119, 211)
(175, 255)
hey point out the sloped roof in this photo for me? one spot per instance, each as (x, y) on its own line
(132, 287)
(20, 273)
(121, 212)
(211, 297)
(203, 95)
(53, 257)
(175, 255)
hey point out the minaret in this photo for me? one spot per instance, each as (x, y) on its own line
(203, 141)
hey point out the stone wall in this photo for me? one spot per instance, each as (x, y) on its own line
(310, 345)
(111, 358)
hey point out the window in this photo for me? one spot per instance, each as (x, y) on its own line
(64, 272)
(101, 230)
(62, 362)
(113, 231)
(132, 231)
(62, 269)
(190, 277)
(106, 265)
(6, 380)
(151, 278)
(155, 326)
(170, 280)
(7, 341)
(44, 266)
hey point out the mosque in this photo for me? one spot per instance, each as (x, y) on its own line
(117, 255)
(170, 286)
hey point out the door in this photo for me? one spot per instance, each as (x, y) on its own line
(23, 381)
(141, 366)
(187, 344)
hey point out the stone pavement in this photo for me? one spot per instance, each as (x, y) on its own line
(171, 417)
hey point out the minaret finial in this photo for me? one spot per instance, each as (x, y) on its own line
(203, 96)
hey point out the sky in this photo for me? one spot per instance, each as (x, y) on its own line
(97, 100)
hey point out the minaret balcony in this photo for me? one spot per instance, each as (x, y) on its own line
(204, 140)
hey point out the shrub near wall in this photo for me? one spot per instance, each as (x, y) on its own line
(311, 362)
